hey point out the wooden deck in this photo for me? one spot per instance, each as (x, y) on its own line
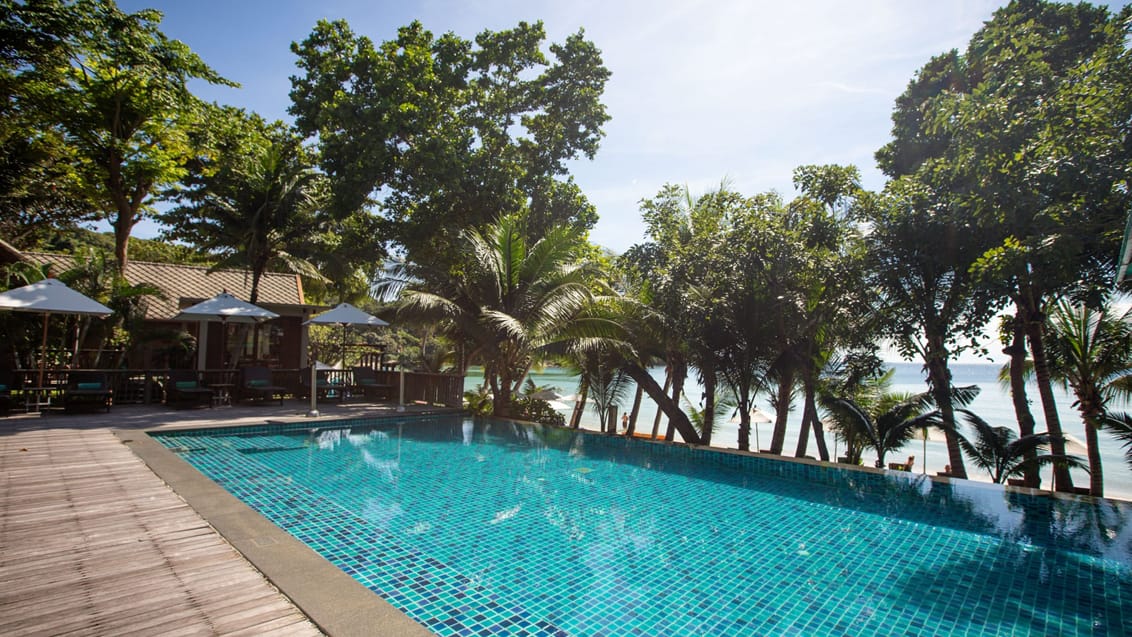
(93, 543)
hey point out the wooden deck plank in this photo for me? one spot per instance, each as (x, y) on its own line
(95, 544)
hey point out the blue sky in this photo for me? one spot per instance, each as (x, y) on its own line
(700, 91)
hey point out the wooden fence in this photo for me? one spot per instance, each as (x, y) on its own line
(147, 386)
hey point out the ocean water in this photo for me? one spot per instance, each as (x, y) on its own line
(993, 405)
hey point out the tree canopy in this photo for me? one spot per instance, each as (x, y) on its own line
(442, 134)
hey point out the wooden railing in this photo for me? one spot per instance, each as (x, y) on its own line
(147, 386)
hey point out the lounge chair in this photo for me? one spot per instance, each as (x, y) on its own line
(256, 382)
(322, 385)
(87, 389)
(183, 388)
(366, 382)
(903, 466)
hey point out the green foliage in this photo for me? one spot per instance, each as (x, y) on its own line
(1090, 352)
(39, 183)
(537, 410)
(478, 401)
(1120, 426)
(252, 205)
(451, 133)
(1003, 454)
(510, 300)
(116, 93)
(885, 426)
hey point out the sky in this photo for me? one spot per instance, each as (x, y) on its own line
(700, 91)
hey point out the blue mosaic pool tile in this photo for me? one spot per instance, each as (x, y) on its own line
(554, 532)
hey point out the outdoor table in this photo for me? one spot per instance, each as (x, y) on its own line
(222, 393)
(37, 398)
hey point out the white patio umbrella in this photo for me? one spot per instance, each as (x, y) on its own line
(224, 308)
(47, 297)
(345, 315)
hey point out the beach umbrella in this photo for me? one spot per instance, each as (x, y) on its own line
(225, 308)
(345, 315)
(47, 297)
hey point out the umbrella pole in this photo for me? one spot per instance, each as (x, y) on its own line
(313, 413)
(401, 402)
(43, 349)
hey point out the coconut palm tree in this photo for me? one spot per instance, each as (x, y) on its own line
(1090, 351)
(513, 298)
(1003, 454)
(890, 425)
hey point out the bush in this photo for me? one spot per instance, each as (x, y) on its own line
(537, 410)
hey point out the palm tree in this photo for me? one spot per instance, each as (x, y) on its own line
(255, 207)
(1090, 351)
(514, 299)
(890, 425)
(607, 385)
(722, 406)
(1003, 454)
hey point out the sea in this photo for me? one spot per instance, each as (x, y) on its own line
(993, 405)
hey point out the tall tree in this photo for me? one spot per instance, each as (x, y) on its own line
(1040, 133)
(824, 286)
(123, 105)
(445, 134)
(255, 203)
(920, 249)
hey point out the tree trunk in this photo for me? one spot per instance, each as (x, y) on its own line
(659, 412)
(677, 419)
(781, 411)
(123, 225)
(636, 411)
(580, 403)
(815, 423)
(501, 386)
(939, 380)
(1096, 471)
(803, 436)
(679, 373)
(708, 417)
(1017, 353)
(1035, 325)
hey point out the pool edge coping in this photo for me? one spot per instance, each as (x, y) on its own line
(333, 600)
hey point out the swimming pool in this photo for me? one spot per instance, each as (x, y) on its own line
(483, 528)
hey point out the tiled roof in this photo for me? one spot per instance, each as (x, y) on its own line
(184, 285)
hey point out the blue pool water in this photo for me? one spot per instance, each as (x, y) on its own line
(485, 528)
